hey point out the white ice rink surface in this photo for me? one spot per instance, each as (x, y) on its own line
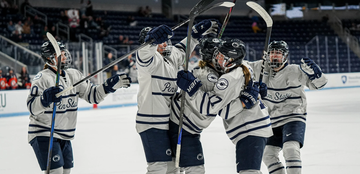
(106, 141)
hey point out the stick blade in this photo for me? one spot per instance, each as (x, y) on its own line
(54, 43)
(200, 6)
(261, 11)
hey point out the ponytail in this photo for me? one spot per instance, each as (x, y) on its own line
(246, 73)
(46, 66)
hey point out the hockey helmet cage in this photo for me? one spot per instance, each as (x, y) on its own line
(207, 47)
(229, 54)
(277, 47)
(143, 34)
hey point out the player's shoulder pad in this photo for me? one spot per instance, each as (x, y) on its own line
(41, 74)
(207, 76)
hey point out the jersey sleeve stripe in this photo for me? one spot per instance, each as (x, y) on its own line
(90, 94)
(95, 96)
(146, 122)
(163, 78)
(142, 63)
(180, 46)
(29, 103)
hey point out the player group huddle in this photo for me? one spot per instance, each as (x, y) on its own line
(256, 119)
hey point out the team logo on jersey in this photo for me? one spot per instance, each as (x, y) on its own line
(200, 156)
(37, 76)
(215, 40)
(212, 77)
(222, 84)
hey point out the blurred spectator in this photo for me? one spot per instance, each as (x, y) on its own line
(3, 81)
(23, 5)
(148, 12)
(130, 20)
(82, 7)
(37, 21)
(24, 79)
(104, 32)
(12, 80)
(89, 9)
(125, 40)
(325, 18)
(44, 31)
(92, 24)
(255, 27)
(83, 22)
(10, 27)
(26, 28)
(4, 4)
(29, 20)
(142, 12)
(132, 69)
(112, 70)
(63, 18)
(19, 27)
(16, 37)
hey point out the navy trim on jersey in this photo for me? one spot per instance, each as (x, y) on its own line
(193, 126)
(61, 112)
(282, 167)
(227, 111)
(290, 98)
(90, 94)
(29, 103)
(289, 118)
(163, 94)
(58, 130)
(202, 103)
(37, 89)
(163, 78)
(180, 46)
(282, 116)
(95, 96)
(146, 122)
(320, 86)
(246, 123)
(147, 63)
(152, 115)
(249, 130)
(284, 89)
(70, 95)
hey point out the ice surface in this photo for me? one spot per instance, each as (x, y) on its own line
(106, 141)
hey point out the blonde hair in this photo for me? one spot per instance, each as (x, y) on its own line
(46, 66)
(246, 73)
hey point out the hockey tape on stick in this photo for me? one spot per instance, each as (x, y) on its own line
(226, 20)
(195, 11)
(269, 23)
(58, 60)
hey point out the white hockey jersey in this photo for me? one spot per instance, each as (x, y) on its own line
(66, 109)
(286, 99)
(157, 84)
(194, 120)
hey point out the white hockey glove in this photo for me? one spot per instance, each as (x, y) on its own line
(205, 27)
(310, 68)
(115, 82)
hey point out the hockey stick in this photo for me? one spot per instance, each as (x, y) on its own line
(269, 22)
(226, 20)
(193, 13)
(58, 57)
(222, 4)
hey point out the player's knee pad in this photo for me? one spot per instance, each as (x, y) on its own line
(56, 171)
(200, 169)
(291, 151)
(272, 161)
(157, 167)
(66, 171)
(250, 172)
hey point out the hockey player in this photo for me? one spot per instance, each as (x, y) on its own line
(286, 102)
(246, 120)
(157, 85)
(40, 104)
